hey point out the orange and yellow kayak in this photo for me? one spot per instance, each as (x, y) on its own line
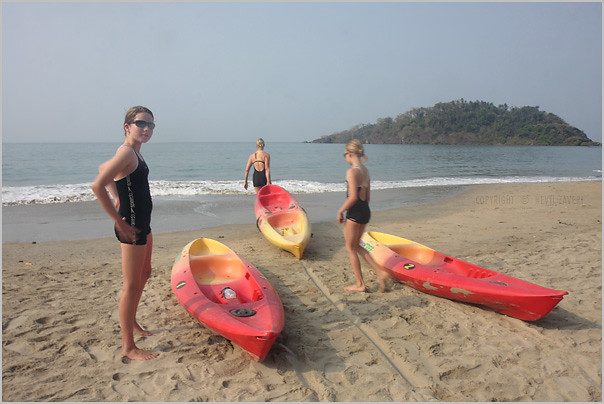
(228, 295)
(441, 275)
(282, 220)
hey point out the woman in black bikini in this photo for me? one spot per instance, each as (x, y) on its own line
(358, 214)
(125, 176)
(262, 167)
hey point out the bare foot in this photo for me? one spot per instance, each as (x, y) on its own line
(355, 288)
(383, 285)
(140, 331)
(384, 281)
(139, 354)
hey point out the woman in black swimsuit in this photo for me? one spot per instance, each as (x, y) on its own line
(125, 176)
(358, 214)
(262, 167)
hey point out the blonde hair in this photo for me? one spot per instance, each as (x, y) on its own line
(260, 143)
(355, 147)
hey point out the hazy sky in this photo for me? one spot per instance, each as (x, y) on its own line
(287, 71)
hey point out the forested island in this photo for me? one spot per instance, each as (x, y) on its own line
(467, 123)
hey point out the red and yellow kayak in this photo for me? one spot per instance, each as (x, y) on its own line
(438, 274)
(228, 295)
(282, 220)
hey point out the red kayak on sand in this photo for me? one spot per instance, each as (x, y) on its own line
(228, 295)
(435, 273)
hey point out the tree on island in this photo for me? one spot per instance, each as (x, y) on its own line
(467, 123)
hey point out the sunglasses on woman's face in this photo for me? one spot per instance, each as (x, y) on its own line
(142, 124)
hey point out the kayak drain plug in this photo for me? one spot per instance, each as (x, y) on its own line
(243, 312)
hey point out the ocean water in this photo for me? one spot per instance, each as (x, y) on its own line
(62, 172)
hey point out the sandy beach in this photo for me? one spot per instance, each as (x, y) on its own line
(60, 329)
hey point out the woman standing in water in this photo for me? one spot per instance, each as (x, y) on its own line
(358, 214)
(261, 161)
(125, 177)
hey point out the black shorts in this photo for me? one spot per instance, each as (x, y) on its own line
(141, 238)
(359, 212)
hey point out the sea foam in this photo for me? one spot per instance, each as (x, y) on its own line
(63, 193)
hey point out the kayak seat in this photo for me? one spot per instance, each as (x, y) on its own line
(213, 269)
(215, 272)
(274, 202)
(287, 224)
(418, 253)
(283, 219)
